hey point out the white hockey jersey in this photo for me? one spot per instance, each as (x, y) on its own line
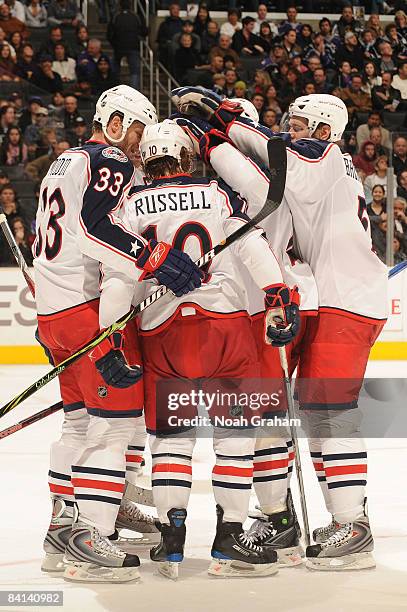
(193, 215)
(331, 226)
(78, 226)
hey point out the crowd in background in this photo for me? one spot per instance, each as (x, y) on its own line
(364, 62)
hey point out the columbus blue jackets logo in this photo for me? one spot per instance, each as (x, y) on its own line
(115, 154)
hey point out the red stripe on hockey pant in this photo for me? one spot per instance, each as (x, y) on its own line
(319, 467)
(339, 470)
(228, 470)
(134, 458)
(172, 467)
(291, 456)
(270, 465)
(58, 489)
(97, 484)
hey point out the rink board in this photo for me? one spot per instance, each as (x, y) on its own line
(18, 322)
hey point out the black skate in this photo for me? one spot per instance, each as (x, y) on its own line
(234, 554)
(348, 548)
(170, 551)
(280, 532)
(57, 536)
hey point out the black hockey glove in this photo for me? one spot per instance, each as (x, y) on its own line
(210, 141)
(111, 363)
(170, 267)
(282, 316)
(194, 127)
(46, 349)
(198, 100)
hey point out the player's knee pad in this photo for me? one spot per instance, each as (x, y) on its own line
(332, 423)
(234, 442)
(112, 433)
(176, 444)
(74, 428)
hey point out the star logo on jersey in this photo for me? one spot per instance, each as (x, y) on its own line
(135, 247)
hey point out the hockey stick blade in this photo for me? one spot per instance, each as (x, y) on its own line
(278, 166)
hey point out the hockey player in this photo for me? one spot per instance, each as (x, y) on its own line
(78, 227)
(203, 336)
(332, 234)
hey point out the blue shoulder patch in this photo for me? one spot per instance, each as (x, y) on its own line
(309, 147)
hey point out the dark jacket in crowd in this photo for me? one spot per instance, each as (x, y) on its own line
(355, 57)
(239, 42)
(125, 30)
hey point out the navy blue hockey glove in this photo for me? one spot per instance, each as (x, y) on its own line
(282, 316)
(46, 349)
(210, 141)
(194, 127)
(196, 101)
(170, 267)
(111, 363)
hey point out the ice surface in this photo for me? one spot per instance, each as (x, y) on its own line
(25, 508)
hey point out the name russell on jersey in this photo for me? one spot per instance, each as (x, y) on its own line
(170, 202)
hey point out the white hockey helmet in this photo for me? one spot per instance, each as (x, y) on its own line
(248, 107)
(162, 139)
(132, 104)
(321, 108)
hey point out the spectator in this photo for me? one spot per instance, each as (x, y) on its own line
(11, 24)
(343, 77)
(81, 41)
(63, 65)
(370, 78)
(218, 81)
(232, 25)
(291, 22)
(202, 19)
(319, 49)
(399, 248)
(10, 204)
(313, 64)
(380, 175)
(70, 112)
(204, 76)
(378, 204)
(48, 46)
(258, 100)
(373, 23)
(4, 41)
(400, 19)
(270, 120)
(320, 81)
(400, 154)
(106, 10)
(309, 88)
(266, 33)
(346, 23)
(79, 134)
(355, 99)
(87, 60)
(45, 78)
(261, 82)
(26, 66)
(124, 34)
(7, 120)
(349, 145)
(223, 49)
(209, 38)
(350, 51)
(291, 89)
(385, 96)
(304, 38)
(28, 116)
(185, 59)
(376, 136)
(13, 151)
(297, 63)
(289, 43)
(400, 80)
(386, 62)
(7, 65)
(16, 41)
(16, 9)
(37, 169)
(188, 28)
(105, 77)
(326, 30)
(33, 132)
(363, 131)
(230, 82)
(36, 15)
(366, 158)
(16, 99)
(378, 228)
(57, 105)
(271, 101)
(64, 13)
(397, 42)
(261, 19)
(168, 28)
(245, 43)
(24, 239)
(241, 89)
(402, 184)
(4, 179)
(400, 218)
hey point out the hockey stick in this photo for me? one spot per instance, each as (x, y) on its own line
(18, 256)
(297, 457)
(30, 420)
(278, 163)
